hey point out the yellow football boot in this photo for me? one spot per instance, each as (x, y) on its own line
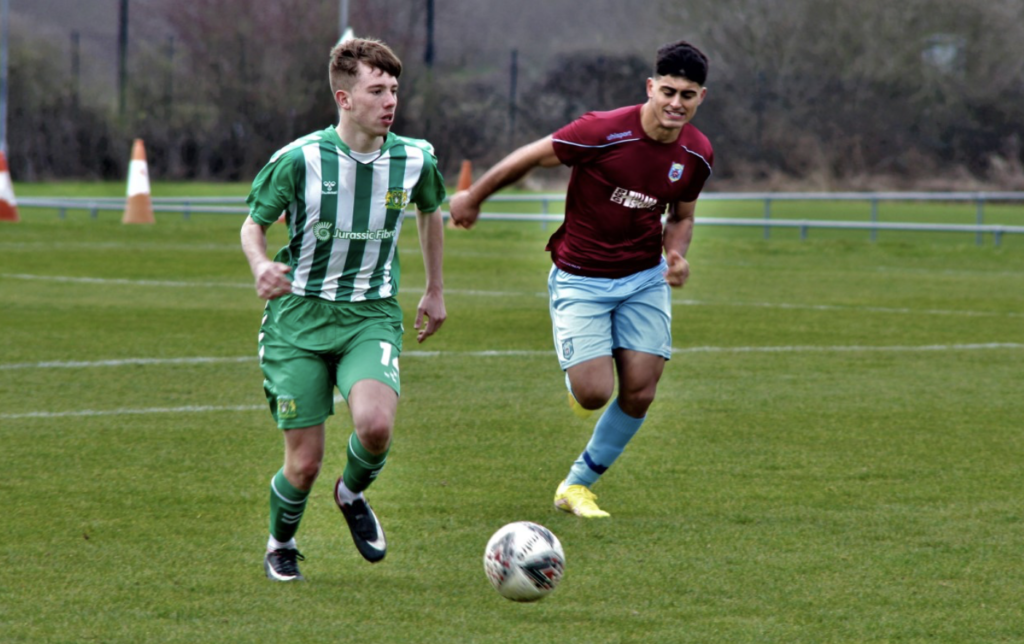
(579, 500)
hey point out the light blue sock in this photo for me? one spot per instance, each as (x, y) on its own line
(613, 431)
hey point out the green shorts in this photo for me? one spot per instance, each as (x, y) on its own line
(309, 346)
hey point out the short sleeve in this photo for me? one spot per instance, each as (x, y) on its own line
(578, 141)
(703, 173)
(273, 189)
(429, 193)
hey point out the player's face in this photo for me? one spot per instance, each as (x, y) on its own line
(372, 101)
(674, 100)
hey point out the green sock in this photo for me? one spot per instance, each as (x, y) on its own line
(286, 507)
(362, 466)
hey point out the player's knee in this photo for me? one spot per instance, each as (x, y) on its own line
(636, 403)
(306, 470)
(591, 397)
(374, 432)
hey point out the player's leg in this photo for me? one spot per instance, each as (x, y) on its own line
(621, 420)
(299, 386)
(373, 405)
(368, 378)
(642, 337)
(639, 374)
(581, 319)
(592, 383)
(289, 491)
(581, 327)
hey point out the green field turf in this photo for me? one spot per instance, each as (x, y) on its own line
(835, 453)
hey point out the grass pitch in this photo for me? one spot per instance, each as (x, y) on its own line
(834, 454)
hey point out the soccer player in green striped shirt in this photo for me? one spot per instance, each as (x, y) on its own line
(332, 318)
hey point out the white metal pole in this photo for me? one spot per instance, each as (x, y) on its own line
(343, 17)
(4, 5)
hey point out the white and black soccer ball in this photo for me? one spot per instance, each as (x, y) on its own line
(524, 561)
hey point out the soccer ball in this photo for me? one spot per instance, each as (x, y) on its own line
(524, 561)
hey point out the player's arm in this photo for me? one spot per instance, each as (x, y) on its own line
(677, 237)
(430, 314)
(465, 205)
(271, 277)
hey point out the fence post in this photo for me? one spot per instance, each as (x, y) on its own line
(874, 219)
(979, 218)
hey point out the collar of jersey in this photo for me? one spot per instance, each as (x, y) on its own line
(389, 141)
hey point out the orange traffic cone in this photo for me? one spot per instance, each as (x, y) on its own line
(8, 206)
(465, 176)
(139, 207)
(465, 181)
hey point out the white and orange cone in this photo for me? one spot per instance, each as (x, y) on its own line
(139, 207)
(465, 181)
(8, 205)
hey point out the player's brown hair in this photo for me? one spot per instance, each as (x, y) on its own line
(346, 56)
(682, 59)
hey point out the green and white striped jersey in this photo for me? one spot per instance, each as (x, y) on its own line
(344, 211)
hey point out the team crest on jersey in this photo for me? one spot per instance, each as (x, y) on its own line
(396, 199)
(286, 407)
(675, 173)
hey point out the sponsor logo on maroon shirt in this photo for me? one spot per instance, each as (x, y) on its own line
(633, 199)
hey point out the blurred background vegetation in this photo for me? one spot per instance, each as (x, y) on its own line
(851, 94)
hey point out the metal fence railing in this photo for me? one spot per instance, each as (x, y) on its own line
(551, 206)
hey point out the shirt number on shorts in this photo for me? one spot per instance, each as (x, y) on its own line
(385, 358)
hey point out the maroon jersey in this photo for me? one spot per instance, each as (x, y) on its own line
(622, 181)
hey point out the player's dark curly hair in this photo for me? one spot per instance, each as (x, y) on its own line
(682, 59)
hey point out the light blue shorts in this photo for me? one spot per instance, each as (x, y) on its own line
(592, 316)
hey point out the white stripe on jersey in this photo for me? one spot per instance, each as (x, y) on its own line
(605, 145)
(305, 259)
(699, 157)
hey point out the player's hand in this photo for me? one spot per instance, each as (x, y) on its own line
(430, 315)
(272, 280)
(678, 269)
(463, 209)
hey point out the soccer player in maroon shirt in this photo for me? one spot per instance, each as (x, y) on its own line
(610, 283)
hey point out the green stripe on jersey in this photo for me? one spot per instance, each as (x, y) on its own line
(361, 207)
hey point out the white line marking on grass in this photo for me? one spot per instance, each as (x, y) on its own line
(123, 282)
(511, 353)
(131, 412)
(79, 364)
(852, 309)
(853, 348)
(432, 354)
